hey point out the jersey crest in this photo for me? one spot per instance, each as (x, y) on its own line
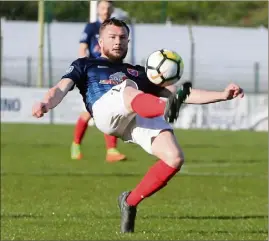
(115, 79)
(69, 70)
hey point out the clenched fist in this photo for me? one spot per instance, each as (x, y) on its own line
(232, 91)
(39, 109)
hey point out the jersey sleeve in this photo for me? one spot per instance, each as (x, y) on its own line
(75, 72)
(86, 34)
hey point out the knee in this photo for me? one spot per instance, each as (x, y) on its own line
(85, 116)
(179, 160)
(175, 159)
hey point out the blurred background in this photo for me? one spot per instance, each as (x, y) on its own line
(219, 42)
(221, 193)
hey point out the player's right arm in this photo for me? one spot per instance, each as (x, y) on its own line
(83, 50)
(55, 95)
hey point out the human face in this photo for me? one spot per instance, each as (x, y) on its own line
(105, 10)
(114, 42)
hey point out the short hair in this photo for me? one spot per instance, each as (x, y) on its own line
(98, 2)
(115, 22)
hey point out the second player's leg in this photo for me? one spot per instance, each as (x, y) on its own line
(112, 154)
(79, 132)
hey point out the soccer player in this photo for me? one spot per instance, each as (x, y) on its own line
(123, 102)
(89, 47)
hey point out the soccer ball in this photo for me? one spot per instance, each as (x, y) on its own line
(164, 67)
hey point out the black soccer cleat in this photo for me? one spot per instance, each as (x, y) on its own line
(128, 214)
(169, 111)
(174, 102)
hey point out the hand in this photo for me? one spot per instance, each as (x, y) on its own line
(232, 91)
(39, 109)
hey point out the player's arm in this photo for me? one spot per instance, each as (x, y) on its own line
(56, 94)
(198, 96)
(83, 50)
(84, 40)
(53, 97)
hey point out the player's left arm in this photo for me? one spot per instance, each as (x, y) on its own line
(198, 96)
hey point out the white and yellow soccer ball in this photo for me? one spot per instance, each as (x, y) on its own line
(164, 67)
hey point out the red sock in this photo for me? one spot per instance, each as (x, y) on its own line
(148, 106)
(111, 141)
(80, 130)
(155, 179)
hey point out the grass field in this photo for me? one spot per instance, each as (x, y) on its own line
(220, 194)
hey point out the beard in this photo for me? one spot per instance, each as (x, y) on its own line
(115, 57)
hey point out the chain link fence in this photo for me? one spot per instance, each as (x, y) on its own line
(21, 71)
(213, 56)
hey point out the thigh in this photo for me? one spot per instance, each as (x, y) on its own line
(166, 147)
(145, 130)
(110, 113)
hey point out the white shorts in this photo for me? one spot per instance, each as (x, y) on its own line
(113, 118)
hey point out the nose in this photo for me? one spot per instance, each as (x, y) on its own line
(106, 11)
(117, 40)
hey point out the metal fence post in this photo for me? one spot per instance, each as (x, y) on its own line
(48, 20)
(29, 71)
(256, 77)
(132, 26)
(1, 45)
(192, 58)
(40, 76)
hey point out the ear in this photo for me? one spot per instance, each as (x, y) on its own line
(100, 41)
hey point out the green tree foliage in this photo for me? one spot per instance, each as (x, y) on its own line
(19, 10)
(221, 13)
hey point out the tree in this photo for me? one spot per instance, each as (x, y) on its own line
(226, 13)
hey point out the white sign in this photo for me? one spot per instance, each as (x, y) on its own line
(251, 112)
(17, 102)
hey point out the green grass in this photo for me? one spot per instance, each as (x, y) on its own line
(220, 194)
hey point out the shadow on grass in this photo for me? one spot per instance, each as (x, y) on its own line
(226, 232)
(221, 217)
(201, 146)
(21, 215)
(73, 174)
(223, 161)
